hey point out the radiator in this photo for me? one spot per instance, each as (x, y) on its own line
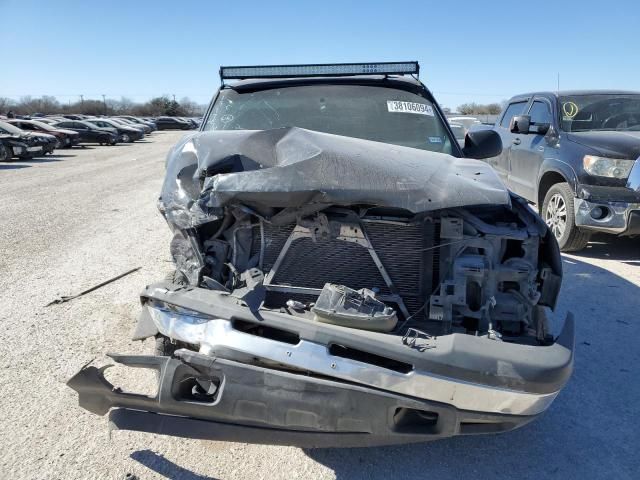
(405, 251)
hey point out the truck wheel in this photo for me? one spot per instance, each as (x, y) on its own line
(559, 215)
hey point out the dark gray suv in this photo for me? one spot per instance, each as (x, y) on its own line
(575, 155)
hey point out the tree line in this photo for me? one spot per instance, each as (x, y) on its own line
(479, 109)
(158, 106)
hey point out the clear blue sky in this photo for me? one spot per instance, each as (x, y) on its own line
(480, 51)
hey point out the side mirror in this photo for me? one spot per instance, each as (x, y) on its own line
(542, 128)
(481, 144)
(520, 124)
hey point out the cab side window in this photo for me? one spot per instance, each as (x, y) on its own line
(512, 110)
(540, 113)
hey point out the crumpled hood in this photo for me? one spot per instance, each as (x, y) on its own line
(294, 167)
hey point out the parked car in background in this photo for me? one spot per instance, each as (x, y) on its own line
(575, 154)
(124, 123)
(139, 121)
(90, 133)
(74, 116)
(466, 122)
(125, 134)
(190, 121)
(36, 144)
(52, 120)
(44, 140)
(459, 132)
(140, 126)
(13, 146)
(65, 138)
(172, 123)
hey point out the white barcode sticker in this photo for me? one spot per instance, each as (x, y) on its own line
(409, 107)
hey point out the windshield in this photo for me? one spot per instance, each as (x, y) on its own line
(579, 113)
(372, 113)
(8, 128)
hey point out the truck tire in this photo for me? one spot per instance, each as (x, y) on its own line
(558, 213)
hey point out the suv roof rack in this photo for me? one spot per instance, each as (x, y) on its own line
(319, 70)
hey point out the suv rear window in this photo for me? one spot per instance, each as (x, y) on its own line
(380, 114)
(512, 110)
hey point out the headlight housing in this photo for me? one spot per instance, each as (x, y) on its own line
(607, 167)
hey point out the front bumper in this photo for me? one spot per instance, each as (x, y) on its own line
(621, 207)
(258, 405)
(298, 389)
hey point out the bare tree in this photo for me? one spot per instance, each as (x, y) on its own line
(163, 105)
(6, 104)
(479, 109)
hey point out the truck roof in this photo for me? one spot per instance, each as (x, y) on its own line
(571, 93)
(260, 83)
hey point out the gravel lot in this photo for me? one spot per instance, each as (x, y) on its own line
(77, 218)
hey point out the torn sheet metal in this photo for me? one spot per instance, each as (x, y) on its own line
(293, 167)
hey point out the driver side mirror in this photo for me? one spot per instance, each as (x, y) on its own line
(480, 144)
(520, 124)
(542, 128)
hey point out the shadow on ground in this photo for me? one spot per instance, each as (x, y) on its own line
(59, 155)
(607, 247)
(47, 159)
(591, 430)
(12, 166)
(165, 467)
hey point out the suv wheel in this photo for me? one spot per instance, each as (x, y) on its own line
(124, 138)
(559, 215)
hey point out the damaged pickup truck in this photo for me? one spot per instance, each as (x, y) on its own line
(346, 273)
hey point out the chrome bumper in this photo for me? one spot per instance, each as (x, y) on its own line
(621, 204)
(469, 373)
(297, 389)
(619, 219)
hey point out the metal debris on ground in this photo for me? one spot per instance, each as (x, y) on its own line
(71, 297)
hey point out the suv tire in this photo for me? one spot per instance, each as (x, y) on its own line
(558, 213)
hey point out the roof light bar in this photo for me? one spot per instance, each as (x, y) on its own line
(319, 70)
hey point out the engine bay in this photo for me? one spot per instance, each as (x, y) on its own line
(476, 270)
